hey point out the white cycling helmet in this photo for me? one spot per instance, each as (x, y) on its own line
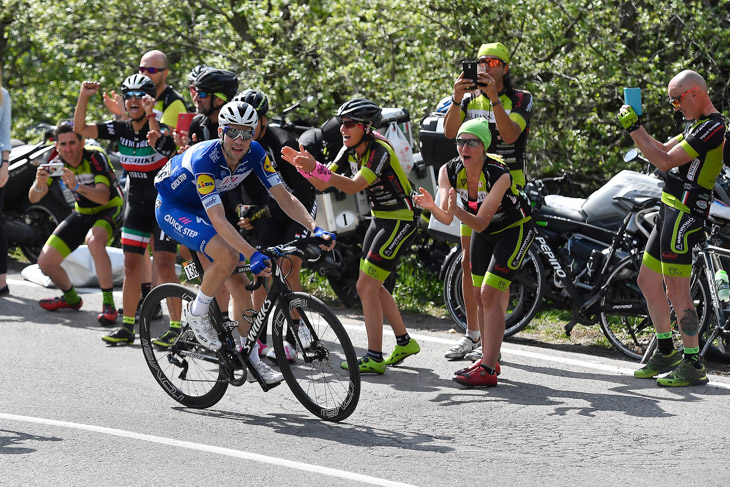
(237, 113)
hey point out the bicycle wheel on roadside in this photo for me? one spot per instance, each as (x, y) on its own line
(632, 332)
(328, 391)
(187, 371)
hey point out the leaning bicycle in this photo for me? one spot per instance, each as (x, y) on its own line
(198, 377)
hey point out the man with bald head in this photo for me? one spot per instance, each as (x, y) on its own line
(169, 102)
(692, 161)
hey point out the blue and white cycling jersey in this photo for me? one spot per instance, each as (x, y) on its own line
(200, 175)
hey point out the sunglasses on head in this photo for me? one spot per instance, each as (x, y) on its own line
(143, 70)
(492, 63)
(677, 100)
(243, 134)
(470, 142)
(128, 95)
(348, 124)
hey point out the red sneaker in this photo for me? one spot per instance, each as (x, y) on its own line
(52, 304)
(474, 366)
(108, 315)
(477, 378)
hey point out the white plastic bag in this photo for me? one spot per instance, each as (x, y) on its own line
(401, 147)
(79, 266)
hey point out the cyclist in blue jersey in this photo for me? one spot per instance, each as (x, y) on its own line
(189, 207)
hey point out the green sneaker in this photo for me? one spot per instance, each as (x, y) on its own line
(400, 352)
(368, 365)
(659, 364)
(166, 340)
(684, 375)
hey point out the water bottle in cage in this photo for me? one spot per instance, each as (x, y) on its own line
(722, 285)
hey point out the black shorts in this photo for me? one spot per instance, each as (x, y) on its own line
(140, 225)
(496, 257)
(73, 230)
(385, 242)
(669, 248)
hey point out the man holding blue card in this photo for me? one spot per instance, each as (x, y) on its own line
(692, 161)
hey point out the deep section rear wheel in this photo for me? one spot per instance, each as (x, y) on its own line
(190, 373)
(316, 378)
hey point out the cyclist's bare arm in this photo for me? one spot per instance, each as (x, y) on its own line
(88, 89)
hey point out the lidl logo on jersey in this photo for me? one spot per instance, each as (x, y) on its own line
(268, 167)
(206, 185)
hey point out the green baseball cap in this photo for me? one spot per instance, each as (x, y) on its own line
(496, 49)
(478, 127)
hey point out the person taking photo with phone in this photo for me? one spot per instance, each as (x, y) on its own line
(692, 162)
(508, 112)
(97, 214)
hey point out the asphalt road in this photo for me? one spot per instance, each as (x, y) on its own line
(75, 412)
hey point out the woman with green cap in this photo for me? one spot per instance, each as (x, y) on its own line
(499, 215)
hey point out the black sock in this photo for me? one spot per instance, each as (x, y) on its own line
(489, 370)
(665, 345)
(146, 286)
(403, 340)
(377, 356)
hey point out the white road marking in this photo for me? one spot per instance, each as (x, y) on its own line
(244, 455)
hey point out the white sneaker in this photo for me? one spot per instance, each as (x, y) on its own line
(475, 354)
(305, 336)
(462, 348)
(289, 352)
(269, 375)
(203, 329)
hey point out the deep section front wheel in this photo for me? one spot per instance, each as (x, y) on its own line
(190, 373)
(316, 378)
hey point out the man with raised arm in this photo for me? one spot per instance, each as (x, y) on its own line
(692, 161)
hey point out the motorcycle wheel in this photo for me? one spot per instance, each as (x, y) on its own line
(44, 220)
(526, 293)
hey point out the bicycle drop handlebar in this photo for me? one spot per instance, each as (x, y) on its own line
(277, 251)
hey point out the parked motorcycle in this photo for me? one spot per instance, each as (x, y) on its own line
(27, 225)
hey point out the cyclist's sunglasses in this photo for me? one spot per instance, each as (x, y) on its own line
(492, 63)
(348, 124)
(677, 100)
(128, 95)
(243, 134)
(203, 94)
(470, 142)
(143, 70)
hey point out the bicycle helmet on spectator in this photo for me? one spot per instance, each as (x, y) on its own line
(361, 110)
(237, 113)
(256, 99)
(195, 72)
(139, 82)
(219, 82)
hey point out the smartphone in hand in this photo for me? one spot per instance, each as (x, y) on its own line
(470, 72)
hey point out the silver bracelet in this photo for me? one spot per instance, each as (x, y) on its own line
(35, 188)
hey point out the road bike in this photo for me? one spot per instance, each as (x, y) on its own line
(198, 377)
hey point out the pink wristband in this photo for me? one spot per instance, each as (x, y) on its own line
(321, 172)
(307, 175)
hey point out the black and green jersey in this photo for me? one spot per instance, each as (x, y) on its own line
(518, 105)
(169, 104)
(514, 208)
(689, 186)
(389, 191)
(94, 168)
